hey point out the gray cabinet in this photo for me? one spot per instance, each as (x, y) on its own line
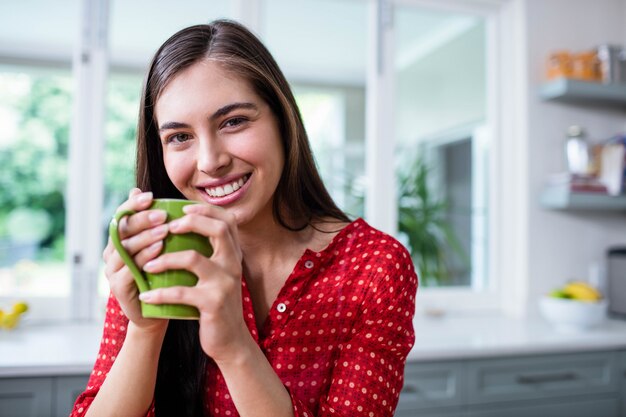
(25, 397)
(572, 385)
(40, 396)
(622, 371)
(436, 389)
(66, 390)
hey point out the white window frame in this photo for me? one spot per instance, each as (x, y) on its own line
(506, 285)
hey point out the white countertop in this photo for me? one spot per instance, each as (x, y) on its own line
(465, 338)
(70, 349)
(42, 350)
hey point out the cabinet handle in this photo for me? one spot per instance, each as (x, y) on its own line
(537, 379)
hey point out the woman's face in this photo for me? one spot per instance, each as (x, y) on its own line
(221, 142)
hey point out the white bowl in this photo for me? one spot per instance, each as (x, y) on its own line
(570, 316)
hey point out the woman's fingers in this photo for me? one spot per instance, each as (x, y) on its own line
(214, 222)
(145, 238)
(188, 260)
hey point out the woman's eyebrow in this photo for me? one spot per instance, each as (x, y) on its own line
(173, 125)
(234, 106)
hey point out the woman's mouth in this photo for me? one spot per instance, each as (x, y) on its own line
(227, 189)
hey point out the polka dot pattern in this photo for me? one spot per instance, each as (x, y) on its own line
(337, 335)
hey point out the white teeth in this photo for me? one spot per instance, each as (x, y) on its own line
(226, 189)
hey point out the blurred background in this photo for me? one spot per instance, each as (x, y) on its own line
(427, 118)
(488, 136)
(70, 80)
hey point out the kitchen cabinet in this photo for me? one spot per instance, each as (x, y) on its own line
(39, 396)
(436, 389)
(623, 383)
(555, 385)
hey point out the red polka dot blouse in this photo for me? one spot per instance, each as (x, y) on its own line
(337, 335)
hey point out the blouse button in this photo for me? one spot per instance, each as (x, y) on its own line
(308, 264)
(281, 307)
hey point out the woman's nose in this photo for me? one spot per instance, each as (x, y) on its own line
(212, 156)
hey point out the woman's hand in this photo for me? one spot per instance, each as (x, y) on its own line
(217, 295)
(142, 235)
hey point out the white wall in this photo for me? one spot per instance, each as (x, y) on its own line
(561, 245)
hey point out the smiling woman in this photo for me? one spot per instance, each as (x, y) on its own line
(223, 135)
(302, 311)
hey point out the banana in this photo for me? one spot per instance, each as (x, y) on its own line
(582, 291)
(8, 320)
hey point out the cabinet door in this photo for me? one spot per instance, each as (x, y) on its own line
(600, 407)
(623, 383)
(540, 377)
(67, 388)
(26, 397)
(430, 385)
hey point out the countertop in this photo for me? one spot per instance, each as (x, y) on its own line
(466, 338)
(70, 349)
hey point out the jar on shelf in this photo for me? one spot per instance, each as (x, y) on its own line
(612, 63)
(577, 151)
(559, 65)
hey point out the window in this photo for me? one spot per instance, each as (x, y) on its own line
(440, 100)
(440, 110)
(33, 174)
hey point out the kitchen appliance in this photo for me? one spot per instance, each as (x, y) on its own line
(616, 281)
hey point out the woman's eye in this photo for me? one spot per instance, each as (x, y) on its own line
(177, 138)
(234, 122)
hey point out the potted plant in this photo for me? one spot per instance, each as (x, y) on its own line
(422, 219)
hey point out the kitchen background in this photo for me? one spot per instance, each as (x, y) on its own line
(452, 96)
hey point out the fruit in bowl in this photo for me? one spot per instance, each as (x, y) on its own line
(575, 307)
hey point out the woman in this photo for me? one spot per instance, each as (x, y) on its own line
(302, 312)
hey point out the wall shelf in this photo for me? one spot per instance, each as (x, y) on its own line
(558, 198)
(583, 92)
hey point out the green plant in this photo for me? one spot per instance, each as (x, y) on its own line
(422, 219)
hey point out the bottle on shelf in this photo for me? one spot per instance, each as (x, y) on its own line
(577, 151)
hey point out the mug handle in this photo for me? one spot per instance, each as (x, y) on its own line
(140, 279)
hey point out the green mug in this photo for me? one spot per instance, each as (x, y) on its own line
(172, 243)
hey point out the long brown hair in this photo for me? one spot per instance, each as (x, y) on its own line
(300, 198)
(301, 195)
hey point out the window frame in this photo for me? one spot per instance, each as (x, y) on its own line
(503, 128)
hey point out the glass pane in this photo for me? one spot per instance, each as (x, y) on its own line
(440, 101)
(40, 27)
(321, 46)
(33, 174)
(139, 27)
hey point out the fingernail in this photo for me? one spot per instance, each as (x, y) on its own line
(145, 197)
(190, 208)
(174, 224)
(155, 246)
(160, 230)
(157, 216)
(146, 296)
(151, 266)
